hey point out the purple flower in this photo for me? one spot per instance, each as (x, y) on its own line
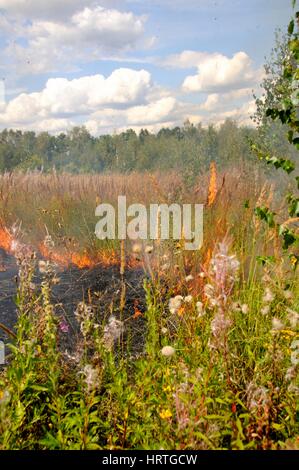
(64, 327)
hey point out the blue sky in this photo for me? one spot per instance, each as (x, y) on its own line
(115, 64)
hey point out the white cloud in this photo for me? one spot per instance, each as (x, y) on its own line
(152, 113)
(220, 100)
(47, 9)
(88, 34)
(61, 97)
(217, 72)
(185, 59)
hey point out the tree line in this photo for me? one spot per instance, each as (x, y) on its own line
(188, 149)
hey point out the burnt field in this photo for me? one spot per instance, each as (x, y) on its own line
(100, 286)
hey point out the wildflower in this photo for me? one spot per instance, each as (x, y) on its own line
(236, 307)
(175, 304)
(112, 332)
(220, 324)
(168, 351)
(256, 396)
(42, 266)
(293, 317)
(4, 397)
(165, 414)
(83, 312)
(49, 242)
(165, 267)
(199, 308)
(288, 294)
(189, 278)
(295, 344)
(136, 248)
(269, 296)
(295, 358)
(84, 315)
(293, 389)
(245, 309)
(164, 331)
(149, 249)
(64, 327)
(91, 377)
(291, 374)
(188, 299)
(265, 310)
(45, 267)
(277, 324)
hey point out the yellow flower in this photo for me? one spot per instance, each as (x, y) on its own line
(165, 414)
(288, 332)
(167, 388)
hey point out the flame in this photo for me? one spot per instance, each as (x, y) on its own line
(213, 184)
(5, 240)
(81, 260)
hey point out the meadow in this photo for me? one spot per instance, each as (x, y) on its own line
(216, 365)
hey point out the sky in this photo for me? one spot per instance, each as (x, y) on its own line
(111, 65)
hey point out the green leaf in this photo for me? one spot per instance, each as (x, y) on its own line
(291, 27)
(265, 260)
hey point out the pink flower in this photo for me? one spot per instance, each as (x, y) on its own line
(64, 327)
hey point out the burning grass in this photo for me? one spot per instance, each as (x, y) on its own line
(217, 366)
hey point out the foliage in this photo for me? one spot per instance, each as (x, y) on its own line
(190, 149)
(280, 103)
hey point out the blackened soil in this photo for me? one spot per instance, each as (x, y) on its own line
(100, 286)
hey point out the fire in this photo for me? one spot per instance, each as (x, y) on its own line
(81, 260)
(213, 184)
(5, 240)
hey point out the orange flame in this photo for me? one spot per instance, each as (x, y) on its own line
(5, 240)
(213, 184)
(81, 260)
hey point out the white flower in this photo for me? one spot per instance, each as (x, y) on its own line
(245, 309)
(199, 308)
(209, 291)
(288, 294)
(164, 331)
(265, 310)
(290, 374)
(295, 344)
(42, 266)
(277, 324)
(112, 332)
(168, 351)
(175, 304)
(165, 267)
(49, 242)
(136, 248)
(91, 377)
(149, 249)
(295, 358)
(293, 317)
(189, 278)
(269, 296)
(188, 299)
